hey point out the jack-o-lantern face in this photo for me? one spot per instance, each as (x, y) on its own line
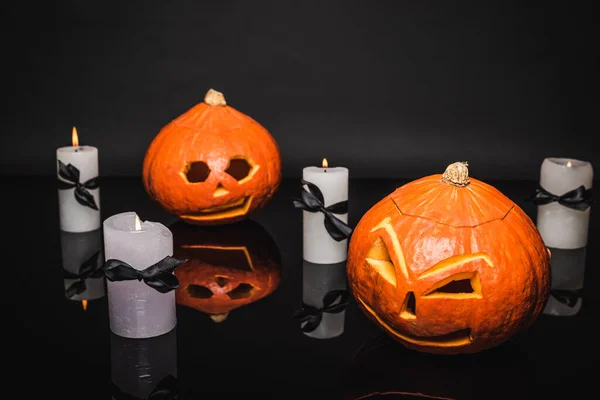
(227, 267)
(212, 165)
(448, 283)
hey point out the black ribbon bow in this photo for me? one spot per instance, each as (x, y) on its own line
(90, 268)
(333, 302)
(166, 389)
(158, 276)
(567, 297)
(313, 201)
(69, 175)
(577, 199)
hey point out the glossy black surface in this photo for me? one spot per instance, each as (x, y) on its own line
(54, 346)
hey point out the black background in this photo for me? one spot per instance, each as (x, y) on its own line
(390, 89)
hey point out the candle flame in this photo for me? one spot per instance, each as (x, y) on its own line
(138, 223)
(569, 164)
(325, 163)
(75, 137)
(84, 304)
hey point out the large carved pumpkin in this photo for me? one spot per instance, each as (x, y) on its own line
(227, 266)
(448, 264)
(212, 165)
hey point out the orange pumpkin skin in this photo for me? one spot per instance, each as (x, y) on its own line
(188, 166)
(448, 269)
(227, 266)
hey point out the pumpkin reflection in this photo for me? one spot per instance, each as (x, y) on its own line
(227, 266)
(381, 368)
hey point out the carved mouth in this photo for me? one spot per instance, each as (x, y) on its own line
(453, 339)
(229, 210)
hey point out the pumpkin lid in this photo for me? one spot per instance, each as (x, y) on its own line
(452, 198)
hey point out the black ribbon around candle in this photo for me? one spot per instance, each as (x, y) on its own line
(90, 268)
(312, 200)
(69, 179)
(166, 389)
(310, 317)
(567, 297)
(577, 199)
(158, 276)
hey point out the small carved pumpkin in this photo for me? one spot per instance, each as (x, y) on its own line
(212, 165)
(227, 266)
(448, 264)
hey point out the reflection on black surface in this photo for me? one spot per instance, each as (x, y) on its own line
(227, 266)
(383, 368)
(144, 368)
(324, 299)
(568, 269)
(82, 259)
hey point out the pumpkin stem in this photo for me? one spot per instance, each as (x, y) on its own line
(214, 98)
(219, 317)
(457, 174)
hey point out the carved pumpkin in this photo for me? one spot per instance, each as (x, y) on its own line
(227, 266)
(212, 165)
(448, 264)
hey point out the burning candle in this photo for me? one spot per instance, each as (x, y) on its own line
(82, 258)
(78, 193)
(324, 291)
(137, 310)
(561, 226)
(141, 368)
(568, 270)
(324, 242)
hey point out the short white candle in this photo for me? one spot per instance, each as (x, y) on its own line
(136, 310)
(318, 246)
(317, 281)
(137, 367)
(568, 270)
(79, 248)
(562, 227)
(75, 217)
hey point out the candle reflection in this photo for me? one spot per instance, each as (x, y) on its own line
(568, 269)
(227, 266)
(144, 368)
(324, 299)
(82, 259)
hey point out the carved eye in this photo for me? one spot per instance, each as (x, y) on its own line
(459, 286)
(379, 259)
(238, 168)
(241, 291)
(199, 292)
(196, 171)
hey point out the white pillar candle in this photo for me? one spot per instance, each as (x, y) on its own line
(137, 367)
(81, 252)
(317, 281)
(75, 217)
(137, 310)
(568, 270)
(560, 226)
(318, 245)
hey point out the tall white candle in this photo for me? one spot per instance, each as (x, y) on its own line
(317, 281)
(560, 226)
(81, 252)
(568, 270)
(137, 367)
(318, 245)
(75, 217)
(136, 310)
